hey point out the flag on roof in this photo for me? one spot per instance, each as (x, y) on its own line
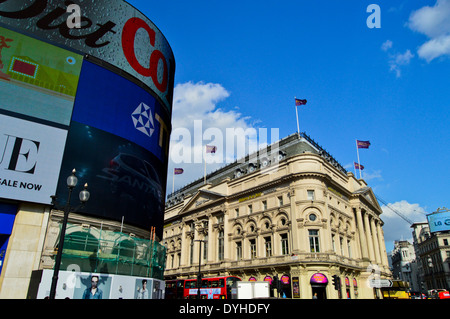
(358, 166)
(178, 171)
(210, 149)
(299, 102)
(362, 144)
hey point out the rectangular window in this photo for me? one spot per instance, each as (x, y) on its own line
(264, 203)
(191, 259)
(237, 212)
(268, 246)
(252, 248)
(314, 241)
(310, 194)
(284, 244)
(280, 200)
(205, 248)
(221, 246)
(238, 250)
(349, 249)
(250, 209)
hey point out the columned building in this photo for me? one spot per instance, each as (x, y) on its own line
(293, 213)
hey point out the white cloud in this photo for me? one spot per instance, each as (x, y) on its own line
(434, 22)
(386, 45)
(399, 59)
(396, 60)
(435, 48)
(372, 174)
(395, 227)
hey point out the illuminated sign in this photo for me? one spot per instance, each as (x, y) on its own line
(130, 112)
(111, 30)
(319, 278)
(285, 279)
(439, 221)
(30, 159)
(37, 79)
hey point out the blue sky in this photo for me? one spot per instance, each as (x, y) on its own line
(242, 62)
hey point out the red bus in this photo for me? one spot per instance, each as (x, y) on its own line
(174, 289)
(212, 288)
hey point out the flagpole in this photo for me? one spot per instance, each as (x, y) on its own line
(204, 159)
(359, 164)
(173, 181)
(296, 114)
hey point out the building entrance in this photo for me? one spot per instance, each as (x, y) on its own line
(319, 291)
(319, 284)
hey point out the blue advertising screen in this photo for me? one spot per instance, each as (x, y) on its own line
(116, 105)
(117, 142)
(439, 221)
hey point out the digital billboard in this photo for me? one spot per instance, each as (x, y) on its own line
(111, 30)
(439, 221)
(114, 104)
(30, 158)
(118, 142)
(85, 285)
(96, 98)
(125, 180)
(37, 79)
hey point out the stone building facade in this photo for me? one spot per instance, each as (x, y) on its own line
(294, 214)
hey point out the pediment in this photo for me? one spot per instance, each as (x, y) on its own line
(200, 199)
(368, 194)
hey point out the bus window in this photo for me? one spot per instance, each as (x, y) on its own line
(191, 284)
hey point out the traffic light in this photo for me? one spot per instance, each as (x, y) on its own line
(276, 283)
(336, 282)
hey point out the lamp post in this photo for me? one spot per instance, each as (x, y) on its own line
(199, 276)
(72, 181)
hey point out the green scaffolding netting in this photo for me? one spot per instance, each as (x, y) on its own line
(104, 251)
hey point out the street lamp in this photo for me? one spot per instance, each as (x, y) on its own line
(199, 276)
(430, 266)
(84, 195)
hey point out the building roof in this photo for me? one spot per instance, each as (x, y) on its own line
(289, 146)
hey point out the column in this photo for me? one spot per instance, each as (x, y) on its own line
(210, 239)
(375, 241)
(184, 246)
(226, 244)
(196, 245)
(382, 246)
(294, 243)
(369, 237)
(362, 236)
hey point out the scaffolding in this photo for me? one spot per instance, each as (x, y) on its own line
(104, 251)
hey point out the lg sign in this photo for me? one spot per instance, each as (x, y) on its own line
(100, 38)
